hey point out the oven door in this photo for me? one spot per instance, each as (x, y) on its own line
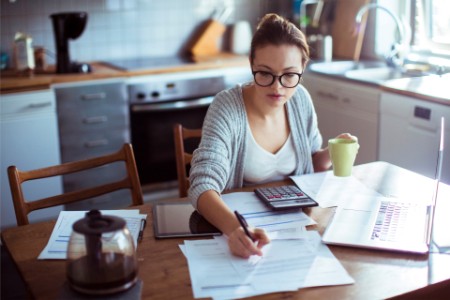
(152, 135)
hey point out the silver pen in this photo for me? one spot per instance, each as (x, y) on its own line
(141, 230)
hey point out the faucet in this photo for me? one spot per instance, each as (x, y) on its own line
(396, 57)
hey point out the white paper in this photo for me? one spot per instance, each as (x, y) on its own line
(245, 203)
(286, 265)
(257, 214)
(286, 232)
(56, 247)
(329, 190)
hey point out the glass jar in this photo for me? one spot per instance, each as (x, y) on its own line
(101, 255)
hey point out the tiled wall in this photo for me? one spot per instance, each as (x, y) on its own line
(124, 28)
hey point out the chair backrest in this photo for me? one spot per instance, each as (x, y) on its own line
(183, 158)
(131, 181)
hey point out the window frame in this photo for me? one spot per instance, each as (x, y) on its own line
(430, 47)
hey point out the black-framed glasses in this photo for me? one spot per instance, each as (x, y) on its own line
(288, 80)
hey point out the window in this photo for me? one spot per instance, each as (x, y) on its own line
(431, 26)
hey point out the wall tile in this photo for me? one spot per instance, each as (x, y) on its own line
(121, 28)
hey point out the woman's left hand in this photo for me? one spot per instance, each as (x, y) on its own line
(321, 159)
(347, 136)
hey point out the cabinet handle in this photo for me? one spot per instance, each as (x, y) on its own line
(95, 120)
(96, 96)
(171, 106)
(39, 104)
(96, 143)
(328, 95)
(346, 100)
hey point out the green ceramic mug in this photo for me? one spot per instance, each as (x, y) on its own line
(343, 154)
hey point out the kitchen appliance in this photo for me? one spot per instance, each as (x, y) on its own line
(409, 133)
(159, 101)
(68, 26)
(101, 255)
(156, 104)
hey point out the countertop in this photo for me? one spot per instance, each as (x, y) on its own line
(430, 88)
(433, 88)
(12, 82)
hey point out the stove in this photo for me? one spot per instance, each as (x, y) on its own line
(148, 63)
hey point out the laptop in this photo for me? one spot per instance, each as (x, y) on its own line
(388, 223)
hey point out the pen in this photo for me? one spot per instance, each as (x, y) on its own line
(243, 223)
(141, 230)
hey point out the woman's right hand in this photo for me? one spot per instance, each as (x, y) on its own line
(241, 245)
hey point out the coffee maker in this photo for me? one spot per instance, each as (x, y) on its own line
(68, 26)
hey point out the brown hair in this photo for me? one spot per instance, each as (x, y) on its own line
(276, 30)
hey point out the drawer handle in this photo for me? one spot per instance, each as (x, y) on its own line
(39, 104)
(96, 143)
(346, 100)
(328, 95)
(96, 96)
(95, 120)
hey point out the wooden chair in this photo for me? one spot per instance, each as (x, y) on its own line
(131, 181)
(183, 158)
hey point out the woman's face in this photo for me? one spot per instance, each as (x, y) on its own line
(276, 60)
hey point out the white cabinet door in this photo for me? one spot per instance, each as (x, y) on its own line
(29, 140)
(346, 107)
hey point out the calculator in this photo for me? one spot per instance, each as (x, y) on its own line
(284, 197)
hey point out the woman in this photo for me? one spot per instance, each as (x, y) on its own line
(261, 131)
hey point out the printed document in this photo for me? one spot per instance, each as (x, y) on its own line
(286, 265)
(56, 247)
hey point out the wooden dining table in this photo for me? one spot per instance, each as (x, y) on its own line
(164, 271)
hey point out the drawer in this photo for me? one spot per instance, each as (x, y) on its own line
(27, 102)
(367, 101)
(95, 120)
(77, 147)
(84, 99)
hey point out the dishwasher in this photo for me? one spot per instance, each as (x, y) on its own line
(409, 134)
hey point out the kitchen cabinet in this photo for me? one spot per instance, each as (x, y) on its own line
(29, 140)
(409, 134)
(346, 107)
(93, 120)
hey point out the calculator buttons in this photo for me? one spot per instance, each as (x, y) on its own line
(284, 197)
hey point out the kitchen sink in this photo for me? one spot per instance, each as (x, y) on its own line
(340, 67)
(374, 72)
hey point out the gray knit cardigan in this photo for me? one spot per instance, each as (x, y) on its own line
(218, 162)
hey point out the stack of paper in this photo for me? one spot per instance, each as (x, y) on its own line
(286, 265)
(59, 240)
(295, 258)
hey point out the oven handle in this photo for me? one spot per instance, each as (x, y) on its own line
(201, 102)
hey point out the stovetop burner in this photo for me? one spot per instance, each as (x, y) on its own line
(148, 63)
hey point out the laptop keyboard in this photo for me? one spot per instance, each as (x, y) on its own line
(395, 220)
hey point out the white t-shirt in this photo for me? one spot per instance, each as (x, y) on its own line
(262, 166)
